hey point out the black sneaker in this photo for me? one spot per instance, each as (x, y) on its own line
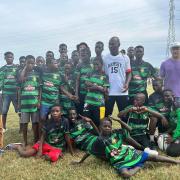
(153, 145)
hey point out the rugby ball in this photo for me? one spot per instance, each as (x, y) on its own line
(162, 142)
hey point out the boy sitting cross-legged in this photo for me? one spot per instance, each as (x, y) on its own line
(55, 136)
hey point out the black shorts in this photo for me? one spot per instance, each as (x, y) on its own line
(174, 148)
(161, 128)
(143, 140)
(96, 113)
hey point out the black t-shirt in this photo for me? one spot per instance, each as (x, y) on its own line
(55, 132)
(155, 98)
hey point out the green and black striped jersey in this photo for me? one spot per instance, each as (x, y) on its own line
(138, 121)
(30, 89)
(50, 87)
(140, 74)
(83, 69)
(68, 83)
(162, 108)
(95, 97)
(8, 79)
(83, 134)
(111, 148)
(56, 131)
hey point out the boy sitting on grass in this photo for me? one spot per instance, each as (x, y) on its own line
(55, 136)
(82, 129)
(138, 117)
(125, 159)
(167, 108)
(164, 107)
(174, 134)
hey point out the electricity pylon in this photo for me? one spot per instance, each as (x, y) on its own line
(171, 30)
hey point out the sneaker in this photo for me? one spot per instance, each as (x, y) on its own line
(12, 146)
(153, 145)
(152, 152)
(4, 130)
(1, 151)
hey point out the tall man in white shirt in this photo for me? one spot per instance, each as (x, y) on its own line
(118, 69)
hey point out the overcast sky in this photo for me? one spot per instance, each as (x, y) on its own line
(35, 26)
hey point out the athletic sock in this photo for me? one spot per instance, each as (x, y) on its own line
(152, 138)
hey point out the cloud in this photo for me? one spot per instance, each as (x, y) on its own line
(32, 27)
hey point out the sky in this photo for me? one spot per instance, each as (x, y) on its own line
(36, 26)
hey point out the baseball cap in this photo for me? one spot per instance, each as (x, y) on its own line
(175, 44)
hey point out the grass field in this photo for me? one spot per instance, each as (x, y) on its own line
(13, 167)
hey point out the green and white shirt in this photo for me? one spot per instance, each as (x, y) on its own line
(50, 87)
(140, 74)
(138, 121)
(95, 97)
(83, 69)
(30, 90)
(8, 79)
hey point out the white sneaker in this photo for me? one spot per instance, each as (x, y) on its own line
(152, 152)
(4, 130)
(1, 151)
(12, 146)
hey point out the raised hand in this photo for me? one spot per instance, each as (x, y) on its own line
(164, 122)
(85, 118)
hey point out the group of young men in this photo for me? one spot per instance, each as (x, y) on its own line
(70, 102)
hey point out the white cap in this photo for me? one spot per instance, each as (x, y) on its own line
(175, 44)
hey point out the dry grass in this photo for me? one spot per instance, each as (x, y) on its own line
(13, 167)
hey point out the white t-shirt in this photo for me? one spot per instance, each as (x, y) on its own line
(115, 68)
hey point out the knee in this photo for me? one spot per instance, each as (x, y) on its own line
(23, 154)
(125, 174)
(54, 155)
